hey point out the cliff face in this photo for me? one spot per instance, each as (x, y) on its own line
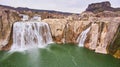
(102, 33)
(66, 28)
(108, 36)
(99, 37)
(114, 47)
(7, 18)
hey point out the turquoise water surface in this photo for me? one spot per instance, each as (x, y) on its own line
(57, 56)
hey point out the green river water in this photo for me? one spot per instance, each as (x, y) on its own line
(57, 56)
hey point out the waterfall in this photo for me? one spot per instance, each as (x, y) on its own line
(24, 17)
(30, 34)
(82, 37)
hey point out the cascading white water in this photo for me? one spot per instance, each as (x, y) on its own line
(24, 17)
(82, 37)
(30, 34)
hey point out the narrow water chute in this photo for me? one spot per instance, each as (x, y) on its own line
(81, 38)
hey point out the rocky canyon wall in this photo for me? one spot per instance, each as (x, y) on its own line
(99, 37)
(104, 26)
(7, 18)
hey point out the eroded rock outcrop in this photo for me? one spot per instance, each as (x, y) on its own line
(66, 30)
(7, 18)
(101, 34)
(57, 28)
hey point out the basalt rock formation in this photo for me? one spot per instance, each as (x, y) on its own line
(103, 20)
(100, 7)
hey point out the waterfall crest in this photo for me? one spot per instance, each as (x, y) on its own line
(81, 38)
(30, 34)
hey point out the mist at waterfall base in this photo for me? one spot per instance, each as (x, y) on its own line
(28, 36)
(55, 55)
